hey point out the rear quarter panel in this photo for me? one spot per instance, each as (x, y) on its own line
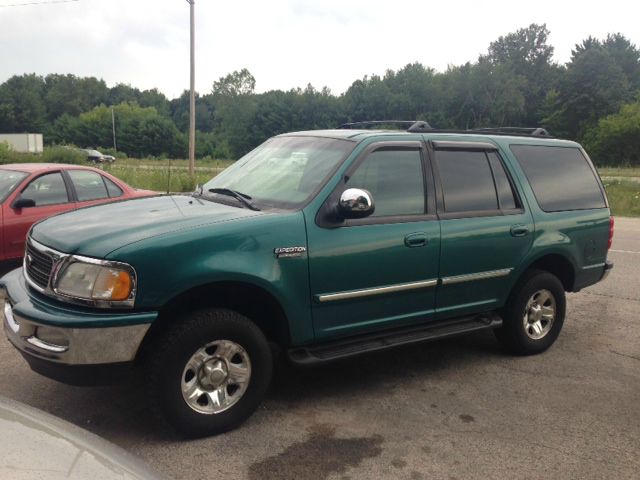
(581, 236)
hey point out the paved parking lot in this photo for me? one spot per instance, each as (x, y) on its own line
(451, 410)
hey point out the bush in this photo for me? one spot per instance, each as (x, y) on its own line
(62, 154)
(160, 179)
(615, 141)
(8, 155)
(110, 151)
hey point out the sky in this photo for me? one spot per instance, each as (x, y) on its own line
(284, 43)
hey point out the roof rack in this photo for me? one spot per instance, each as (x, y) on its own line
(410, 125)
(419, 126)
(534, 132)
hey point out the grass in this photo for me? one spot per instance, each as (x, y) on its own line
(619, 171)
(624, 197)
(166, 175)
(162, 178)
(204, 163)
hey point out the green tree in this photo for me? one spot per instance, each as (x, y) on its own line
(235, 108)
(527, 55)
(154, 98)
(368, 99)
(483, 95)
(123, 93)
(140, 131)
(234, 84)
(72, 95)
(593, 86)
(626, 56)
(22, 107)
(615, 140)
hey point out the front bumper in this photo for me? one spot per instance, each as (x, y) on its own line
(55, 338)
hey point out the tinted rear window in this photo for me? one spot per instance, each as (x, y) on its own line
(467, 181)
(560, 177)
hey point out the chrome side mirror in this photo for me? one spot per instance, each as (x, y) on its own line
(356, 203)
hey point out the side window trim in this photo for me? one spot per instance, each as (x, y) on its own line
(70, 198)
(71, 189)
(106, 185)
(434, 146)
(514, 191)
(322, 219)
(71, 185)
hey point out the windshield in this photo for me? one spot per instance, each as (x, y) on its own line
(283, 172)
(9, 180)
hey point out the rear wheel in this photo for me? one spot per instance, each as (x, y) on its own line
(208, 374)
(534, 314)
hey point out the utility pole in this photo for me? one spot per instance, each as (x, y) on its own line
(192, 97)
(113, 128)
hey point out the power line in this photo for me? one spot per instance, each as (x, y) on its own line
(37, 3)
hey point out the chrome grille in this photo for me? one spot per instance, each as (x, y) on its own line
(38, 266)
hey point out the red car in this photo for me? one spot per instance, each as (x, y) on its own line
(32, 191)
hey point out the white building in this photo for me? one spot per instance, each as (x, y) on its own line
(23, 142)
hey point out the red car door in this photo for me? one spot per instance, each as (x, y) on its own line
(50, 194)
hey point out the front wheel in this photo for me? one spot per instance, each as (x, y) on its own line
(534, 314)
(208, 374)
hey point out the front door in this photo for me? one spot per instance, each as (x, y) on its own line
(381, 271)
(486, 229)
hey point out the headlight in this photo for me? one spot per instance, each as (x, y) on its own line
(96, 282)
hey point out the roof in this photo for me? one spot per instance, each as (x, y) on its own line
(36, 167)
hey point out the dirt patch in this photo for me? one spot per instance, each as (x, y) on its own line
(467, 418)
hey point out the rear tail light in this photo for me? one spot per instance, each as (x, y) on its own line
(611, 222)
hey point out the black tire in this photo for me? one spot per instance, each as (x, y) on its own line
(519, 338)
(167, 361)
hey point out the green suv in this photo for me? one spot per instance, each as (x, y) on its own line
(320, 244)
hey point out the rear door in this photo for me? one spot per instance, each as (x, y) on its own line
(381, 271)
(486, 229)
(50, 193)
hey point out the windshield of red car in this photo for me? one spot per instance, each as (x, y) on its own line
(9, 180)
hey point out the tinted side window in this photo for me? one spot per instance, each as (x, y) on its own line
(114, 190)
(394, 178)
(48, 189)
(503, 186)
(560, 177)
(466, 181)
(88, 185)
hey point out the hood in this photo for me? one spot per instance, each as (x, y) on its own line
(96, 231)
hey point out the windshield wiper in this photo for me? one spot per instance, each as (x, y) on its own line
(241, 197)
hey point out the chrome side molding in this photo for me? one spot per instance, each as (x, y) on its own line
(469, 277)
(367, 292)
(399, 287)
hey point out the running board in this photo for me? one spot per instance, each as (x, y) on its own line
(382, 340)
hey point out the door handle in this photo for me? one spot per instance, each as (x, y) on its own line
(519, 230)
(418, 239)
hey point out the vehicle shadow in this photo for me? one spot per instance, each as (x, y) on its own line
(123, 413)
